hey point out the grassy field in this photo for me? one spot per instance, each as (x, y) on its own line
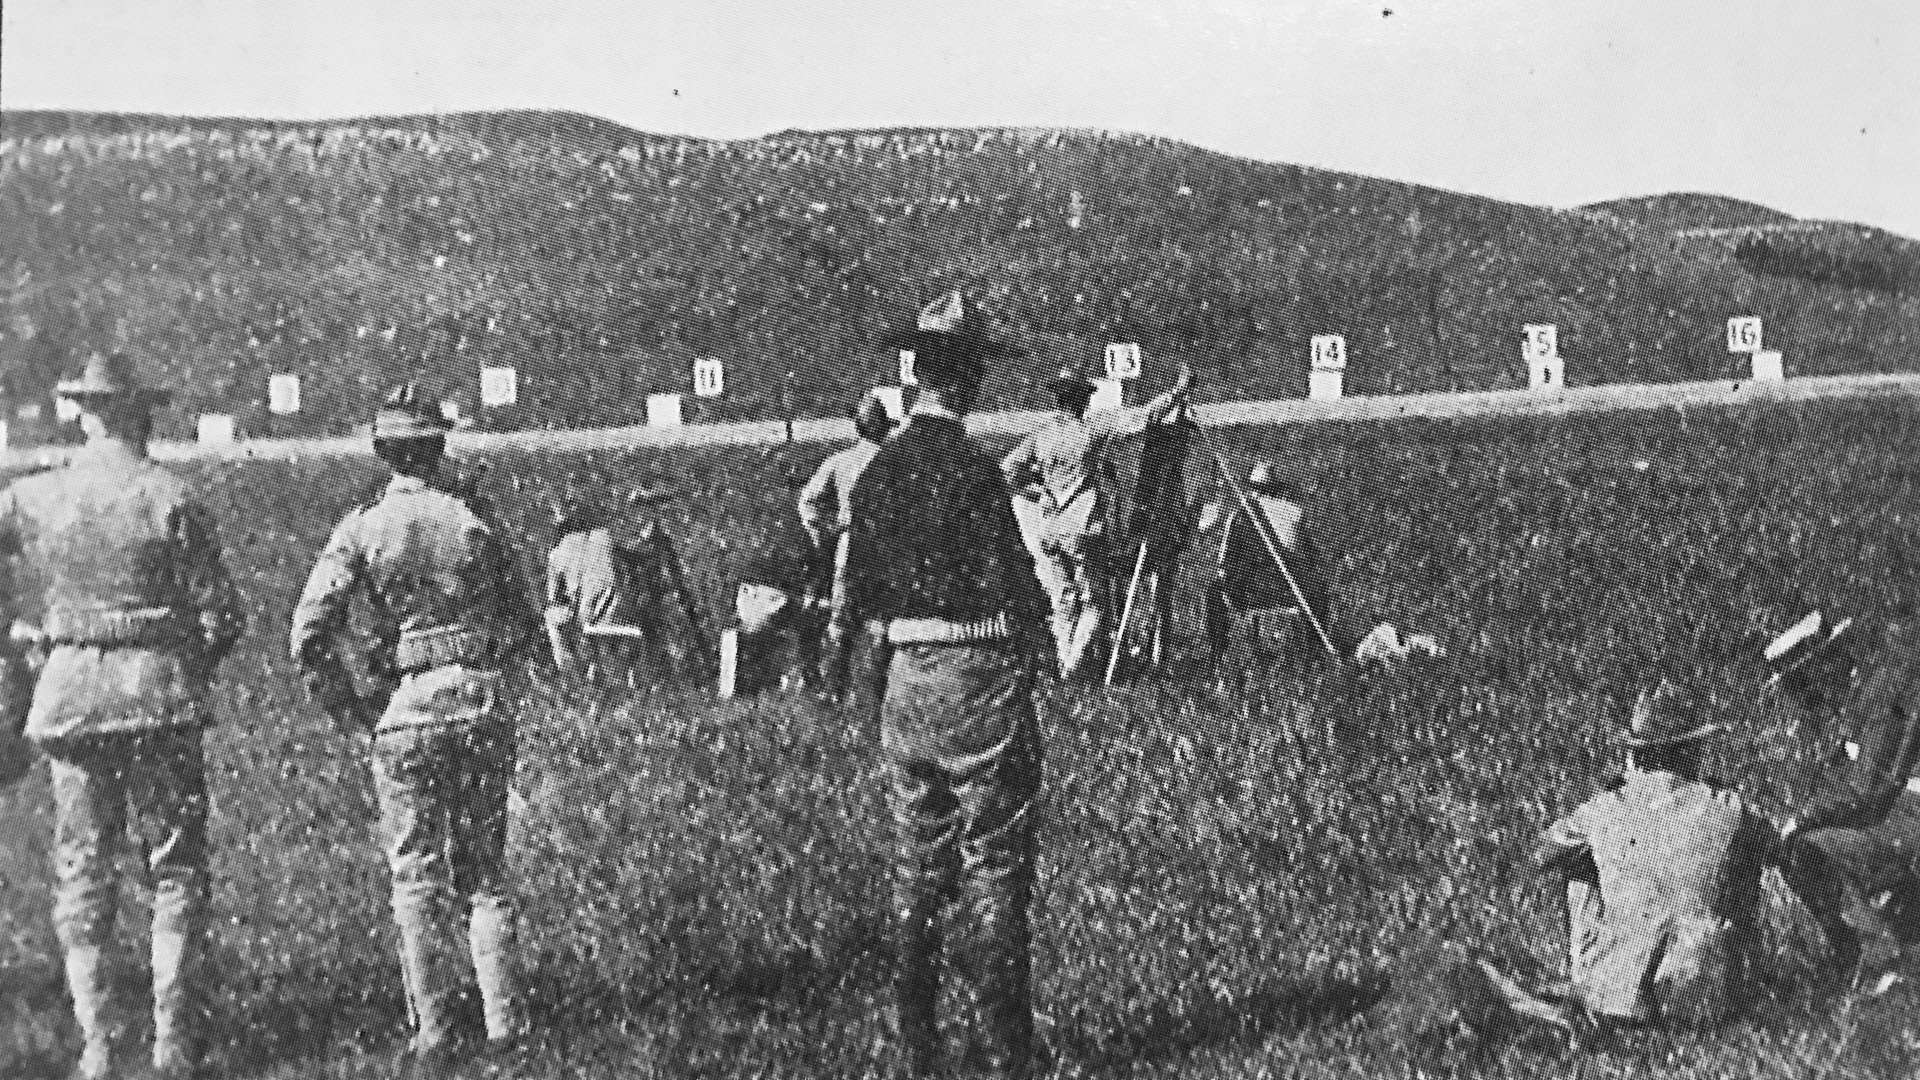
(1226, 883)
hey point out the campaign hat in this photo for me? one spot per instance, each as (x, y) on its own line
(405, 415)
(110, 375)
(1666, 715)
(951, 340)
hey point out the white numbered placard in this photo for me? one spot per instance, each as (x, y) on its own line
(1546, 373)
(1324, 384)
(66, 410)
(450, 411)
(1329, 353)
(893, 398)
(283, 394)
(907, 377)
(1108, 394)
(499, 386)
(1768, 366)
(215, 429)
(663, 410)
(1123, 360)
(1743, 333)
(709, 377)
(1542, 341)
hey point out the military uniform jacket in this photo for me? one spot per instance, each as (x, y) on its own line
(1884, 715)
(826, 502)
(1070, 459)
(121, 568)
(439, 585)
(1677, 864)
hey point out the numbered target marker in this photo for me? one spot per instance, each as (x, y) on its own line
(1108, 394)
(283, 394)
(1329, 352)
(907, 377)
(1123, 360)
(709, 377)
(499, 386)
(1542, 341)
(663, 410)
(1546, 373)
(1743, 333)
(215, 429)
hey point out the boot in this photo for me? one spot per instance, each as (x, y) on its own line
(92, 994)
(492, 938)
(430, 998)
(177, 977)
(917, 986)
(1004, 982)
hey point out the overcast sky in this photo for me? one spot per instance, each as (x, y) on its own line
(1812, 107)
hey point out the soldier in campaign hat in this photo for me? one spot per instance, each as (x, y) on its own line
(454, 624)
(1067, 468)
(937, 570)
(136, 611)
(1663, 876)
(1854, 849)
(826, 509)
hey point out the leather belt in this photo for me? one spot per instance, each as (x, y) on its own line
(987, 631)
(424, 650)
(154, 627)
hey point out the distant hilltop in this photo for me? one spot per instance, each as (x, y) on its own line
(600, 261)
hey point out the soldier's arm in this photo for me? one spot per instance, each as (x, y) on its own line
(1021, 466)
(1134, 420)
(16, 676)
(1565, 848)
(819, 500)
(320, 624)
(209, 586)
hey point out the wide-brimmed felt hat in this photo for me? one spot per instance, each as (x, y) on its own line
(1666, 715)
(950, 338)
(110, 375)
(406, 415)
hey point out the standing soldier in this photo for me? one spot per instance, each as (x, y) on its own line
(1663, 877)
(441, 590)
(138, 612)
(1854, 851)
(936, 567)
(826, 509)
(1066, 466)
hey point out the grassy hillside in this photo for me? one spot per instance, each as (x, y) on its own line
(1225, 881)
(600, 261)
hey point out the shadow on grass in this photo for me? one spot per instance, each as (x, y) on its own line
(1163, 1031)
